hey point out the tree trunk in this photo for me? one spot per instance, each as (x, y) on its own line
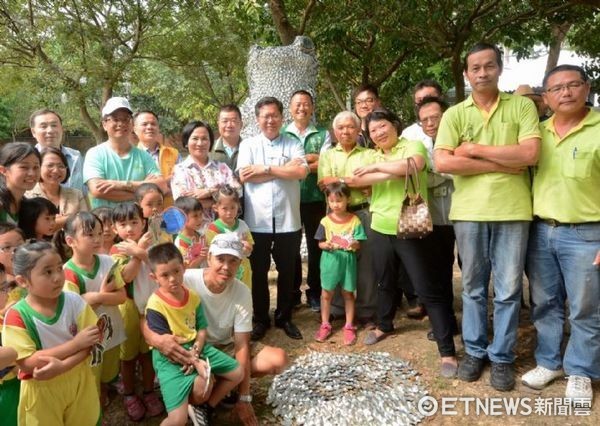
(287, 33)
(457, 75)
(559, 32)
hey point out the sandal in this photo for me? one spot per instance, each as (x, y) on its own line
(371, 338)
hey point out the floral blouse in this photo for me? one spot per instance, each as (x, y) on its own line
(189, 175)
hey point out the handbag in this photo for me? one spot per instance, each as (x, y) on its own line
(414, 220)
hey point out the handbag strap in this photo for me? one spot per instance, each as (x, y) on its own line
(408, 177)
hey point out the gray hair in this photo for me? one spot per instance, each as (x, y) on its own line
(344, 115)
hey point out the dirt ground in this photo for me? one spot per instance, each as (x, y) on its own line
(409, 342)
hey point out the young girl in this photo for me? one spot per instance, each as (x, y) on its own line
(19, 172)
(191, 241)
(150, 199)
(131, 254)
(108, 232)
(93, 277)
(339, 235)
(11, 238)
(227, 207)
(10, 386)
(53, 333)
(37, 218)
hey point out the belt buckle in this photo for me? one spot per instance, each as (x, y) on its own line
(553, 222)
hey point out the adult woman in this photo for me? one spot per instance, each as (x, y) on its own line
(19, 172)
(337, 165)
(54, 172)
(386, 175)
(197, 175)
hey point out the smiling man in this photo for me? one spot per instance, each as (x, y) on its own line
(114, 169)
(226, 148)
(487, 142)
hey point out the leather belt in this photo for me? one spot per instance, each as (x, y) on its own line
(358, 207)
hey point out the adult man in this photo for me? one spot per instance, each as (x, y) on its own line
(225, 149)
(366, 99)
(227, 304)
(146, 128)
(114, 169)
(565, 237)
(538, 100)
(415, 132)
(486, 142)
(46, 128)
(270, 166)
(312, 203)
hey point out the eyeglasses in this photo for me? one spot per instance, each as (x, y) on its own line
(272, 117)
(236, 245)
(9, 249)
(571, 85)
(434, 119)
(365, 101)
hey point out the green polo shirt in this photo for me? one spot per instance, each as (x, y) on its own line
(566, 183)
(490, 197)
(338, 163)
(387, 197)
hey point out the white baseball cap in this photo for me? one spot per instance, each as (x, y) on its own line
(227, 243)
(114, 104)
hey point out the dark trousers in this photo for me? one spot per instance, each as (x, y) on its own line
(283, 247)
(310, 215)
(444, 241)
(418, 256)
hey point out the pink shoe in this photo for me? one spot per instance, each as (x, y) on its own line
(154, 406)
(323, 332)
(349, 335)
(135, 407)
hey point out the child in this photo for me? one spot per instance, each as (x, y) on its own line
(11, 238)
(339, 234)
(52, 332)
(108, 232)
(87, 274)
(19, 172)
(190, 241)
(37, 218)
(131, 254)
(10, 386)
(150, 198)
(227, 207)
(177, 310)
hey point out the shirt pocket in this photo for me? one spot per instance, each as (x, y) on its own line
(508, 133)
(578, 166)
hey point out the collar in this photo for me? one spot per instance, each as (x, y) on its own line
(190, 163)
(501, 97)
(291, 128)
(220, 145)
(357, 147)
(592, 118)
(143, 148)
(68, 152)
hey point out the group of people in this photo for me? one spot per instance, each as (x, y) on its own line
(515, 195)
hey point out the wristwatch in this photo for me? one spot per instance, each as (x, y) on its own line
(245, 398)
(267, 169)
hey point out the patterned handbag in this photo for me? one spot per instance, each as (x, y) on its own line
(414, 220)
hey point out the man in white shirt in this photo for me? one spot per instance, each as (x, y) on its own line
(271, 165)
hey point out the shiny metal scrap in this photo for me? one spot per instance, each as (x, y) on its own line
(347, 389)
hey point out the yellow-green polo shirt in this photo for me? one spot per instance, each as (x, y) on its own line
(566, 183)
(336, 162)
(490, 196)
(387, 197)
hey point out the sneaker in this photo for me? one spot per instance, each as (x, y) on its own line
(200, 414)
(154, 406)
(470, 368)
(135, 407)
(579, 387)
(349, 335)
(540, 377)
(323, 332)
(315, 304)
(502, 376)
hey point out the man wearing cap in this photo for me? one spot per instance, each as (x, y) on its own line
(527, 91)
(114, 169)
(564, 242)
(227, 305)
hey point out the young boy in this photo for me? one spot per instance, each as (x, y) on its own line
(191, 242)
(177, 310)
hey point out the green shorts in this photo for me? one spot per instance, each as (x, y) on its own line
(176, 386)
(9, 401)
(338, 267)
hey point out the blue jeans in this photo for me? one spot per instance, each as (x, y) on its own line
(491, 249)
(560, 272)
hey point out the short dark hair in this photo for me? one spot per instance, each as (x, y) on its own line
(366, 87)
(104, 213)
(31, 210)
(231, 108)
(564, 67)
(43, 111)
(304, 93)
(431, 100)
(127, 211)
(145, 188)
(189, 128)
(63, 159)
(268, 100)
(428, 83)
(163, 253)
(479, 47)
(188, 204)
(6, 227)
(384, 114)
(145, 111)
(338, 189)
